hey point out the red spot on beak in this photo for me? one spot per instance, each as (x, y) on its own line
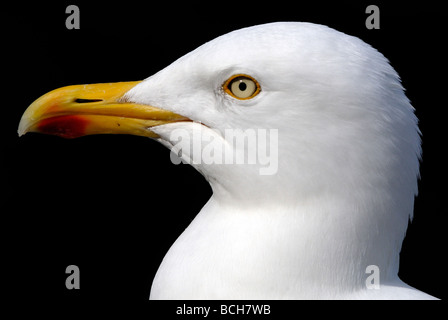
(64, 126)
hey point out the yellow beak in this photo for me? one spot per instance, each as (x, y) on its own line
(80, 110)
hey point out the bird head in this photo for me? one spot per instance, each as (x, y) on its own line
(321, 113)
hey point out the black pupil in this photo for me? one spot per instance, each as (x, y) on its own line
(242, 86)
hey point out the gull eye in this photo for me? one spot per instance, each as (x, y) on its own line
(242, 87)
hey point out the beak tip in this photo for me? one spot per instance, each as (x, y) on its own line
(22, 130)
(21, 133)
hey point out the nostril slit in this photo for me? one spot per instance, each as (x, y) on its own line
(87, 100)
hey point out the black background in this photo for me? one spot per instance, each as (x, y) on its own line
(113, 205)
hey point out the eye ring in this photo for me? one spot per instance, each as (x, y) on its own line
(241, 87)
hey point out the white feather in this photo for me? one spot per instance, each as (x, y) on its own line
(348, 153)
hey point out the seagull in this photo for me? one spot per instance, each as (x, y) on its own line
(329, 219)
